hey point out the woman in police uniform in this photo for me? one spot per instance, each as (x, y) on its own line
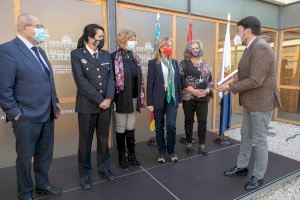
(93, 75)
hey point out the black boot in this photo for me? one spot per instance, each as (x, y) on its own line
(130, 142)
(121, 149)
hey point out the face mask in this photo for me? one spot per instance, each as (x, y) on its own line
(167, 51)
(196, 53)
(40, 35)
(130, 45)
(99, 43)
(238, 39)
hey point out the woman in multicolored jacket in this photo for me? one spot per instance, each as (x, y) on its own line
(197, 91)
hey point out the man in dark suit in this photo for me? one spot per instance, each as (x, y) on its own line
(258, 95)
(28, 97)
(93, 75)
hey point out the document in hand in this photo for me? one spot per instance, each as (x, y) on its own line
(231, 75)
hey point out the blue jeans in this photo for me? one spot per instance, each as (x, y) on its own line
(168, 112)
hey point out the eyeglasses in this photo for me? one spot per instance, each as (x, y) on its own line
(37, 26)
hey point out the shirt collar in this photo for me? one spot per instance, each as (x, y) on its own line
(248, 45)
(25, 41)
(90, 50)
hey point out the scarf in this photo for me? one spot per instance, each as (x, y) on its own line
(119, 74)
(171, 84)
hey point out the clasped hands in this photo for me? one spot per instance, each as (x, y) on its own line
(199, 93)
(105, 104)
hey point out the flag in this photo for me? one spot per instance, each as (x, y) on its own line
(152, 122)
(157, 37)
(189, 37)
(157, 31)
(190, 32)
(225, 103)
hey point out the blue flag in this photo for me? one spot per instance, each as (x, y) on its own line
(225, 113)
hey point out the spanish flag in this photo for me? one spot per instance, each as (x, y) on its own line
(190, 31)
(157, 36)
(152, 122)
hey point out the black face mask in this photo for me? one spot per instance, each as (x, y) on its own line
(99, 43)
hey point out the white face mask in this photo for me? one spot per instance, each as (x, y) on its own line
(131, 45)
(238, 39)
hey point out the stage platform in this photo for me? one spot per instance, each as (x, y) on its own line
(193, 177)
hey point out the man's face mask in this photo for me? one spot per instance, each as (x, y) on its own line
(238, 41)
(39, 35)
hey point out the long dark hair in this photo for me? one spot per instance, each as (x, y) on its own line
(88, 31)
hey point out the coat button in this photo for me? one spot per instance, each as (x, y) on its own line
(100, 83)
(98, 69)
(99, 76)
(100, 91)
(87, 68)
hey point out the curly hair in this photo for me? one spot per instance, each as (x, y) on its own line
(188, 51)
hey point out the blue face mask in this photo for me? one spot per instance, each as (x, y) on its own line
(40, 35)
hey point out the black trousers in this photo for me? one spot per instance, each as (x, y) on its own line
(33, 140)
(88, 122)
(201, 109)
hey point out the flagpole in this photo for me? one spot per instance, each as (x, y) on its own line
(152, 140)
(225, 98)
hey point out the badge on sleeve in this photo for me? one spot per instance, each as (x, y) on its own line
(83, 61)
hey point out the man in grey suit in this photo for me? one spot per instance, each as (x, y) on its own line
(28, 97)
(258, 95)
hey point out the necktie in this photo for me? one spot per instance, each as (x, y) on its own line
(95, 56)
(45, 68)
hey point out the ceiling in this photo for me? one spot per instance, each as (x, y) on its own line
(281, 2)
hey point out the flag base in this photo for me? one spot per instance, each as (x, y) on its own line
(183, 140)
(152, 142)
(223, 140)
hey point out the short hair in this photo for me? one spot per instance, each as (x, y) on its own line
(160, 43)
(251, 22)
(123, 36)
(24, 19)
(188, 51)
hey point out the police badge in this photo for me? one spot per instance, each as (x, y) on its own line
(83, 61)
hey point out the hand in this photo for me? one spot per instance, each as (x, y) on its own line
(58, 109)
(105, 104)
(199, 93)
(223, 88)
(151, 108)
(17, 117)
(180, 105)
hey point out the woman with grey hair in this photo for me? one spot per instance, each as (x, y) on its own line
(197, 91)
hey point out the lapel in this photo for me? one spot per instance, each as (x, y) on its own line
(174, 68)
(160, 72)
(246, 52)
(27, 52)
(159, 69)
(89, 57)
(47, 61)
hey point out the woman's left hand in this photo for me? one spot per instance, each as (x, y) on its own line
(203, 93)
(180, 105)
